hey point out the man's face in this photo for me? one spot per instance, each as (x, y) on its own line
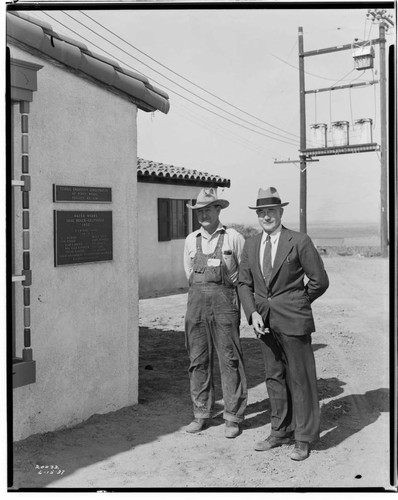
(269, 218)
(208, 217)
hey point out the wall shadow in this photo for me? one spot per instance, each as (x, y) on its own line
(164, 392)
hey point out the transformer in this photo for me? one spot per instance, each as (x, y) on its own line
(362, 131)
(363, 57)
(318, 137)
(339, 133)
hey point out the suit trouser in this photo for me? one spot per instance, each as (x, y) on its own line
(291, 381)
(212, 321)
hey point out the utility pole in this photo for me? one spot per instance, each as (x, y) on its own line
(380, 15)
(303, 139)
(307, 155)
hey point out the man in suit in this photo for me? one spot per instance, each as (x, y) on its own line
(277, 302)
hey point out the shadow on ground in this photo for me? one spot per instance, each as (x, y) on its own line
(164, 390)
(345, 416)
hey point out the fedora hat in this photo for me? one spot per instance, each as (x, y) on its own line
(207, 197)
(268, 198)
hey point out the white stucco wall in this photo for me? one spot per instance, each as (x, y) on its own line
(161, 267)
(84, 318)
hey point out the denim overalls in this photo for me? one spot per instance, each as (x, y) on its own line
(212, 320)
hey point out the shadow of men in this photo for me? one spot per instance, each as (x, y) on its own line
(341, 417)
(347, 415)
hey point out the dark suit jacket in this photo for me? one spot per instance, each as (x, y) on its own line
(286, 305)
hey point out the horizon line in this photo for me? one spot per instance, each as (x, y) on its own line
(318, 221)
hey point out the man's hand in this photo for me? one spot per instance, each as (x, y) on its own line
(258, 323)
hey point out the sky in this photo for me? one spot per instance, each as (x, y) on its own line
(242, 64)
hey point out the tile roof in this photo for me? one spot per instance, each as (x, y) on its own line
(151, 170)
(39, 35)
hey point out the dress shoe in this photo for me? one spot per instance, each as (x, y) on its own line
(197, 425)
(301, 450)
(271, 442)
(231, 429)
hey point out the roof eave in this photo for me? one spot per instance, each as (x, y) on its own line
(37, 35)
(155, 179)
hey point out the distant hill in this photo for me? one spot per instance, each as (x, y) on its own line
(329, 233)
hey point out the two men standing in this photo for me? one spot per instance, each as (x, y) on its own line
(277, 303)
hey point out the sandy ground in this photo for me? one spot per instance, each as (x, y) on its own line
(145, 446)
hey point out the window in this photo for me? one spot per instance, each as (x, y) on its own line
(173, 219)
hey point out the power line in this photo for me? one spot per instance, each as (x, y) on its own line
(305, 72)
(175, 83)
(342, 78)
(173, 91)
(187, 90)
(350, 96)
(226, 133)
(186, 79)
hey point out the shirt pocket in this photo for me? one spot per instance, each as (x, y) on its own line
(228, 259)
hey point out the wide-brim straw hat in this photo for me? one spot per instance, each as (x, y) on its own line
(268, 198)
(207, 197)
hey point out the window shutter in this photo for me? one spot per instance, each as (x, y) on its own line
(179, 219)
(185, 211)
(195, 223)
(174, 219)
(164, 219)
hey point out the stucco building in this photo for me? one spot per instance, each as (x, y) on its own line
(73, 227)
(164, 221)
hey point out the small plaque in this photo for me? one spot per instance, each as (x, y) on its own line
(82, 236)
(82, 194)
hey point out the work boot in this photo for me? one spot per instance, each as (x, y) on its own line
(231, 429)
(197, 425)
(271, 442)
(301, 450)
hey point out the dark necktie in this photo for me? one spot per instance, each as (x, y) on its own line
(267, 262)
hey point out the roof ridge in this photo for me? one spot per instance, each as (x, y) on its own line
(154, 169)
(40, 36)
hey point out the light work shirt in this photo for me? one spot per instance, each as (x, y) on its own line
(274, 245)
(233, 242)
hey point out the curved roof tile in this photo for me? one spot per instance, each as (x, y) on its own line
(39, 35)
(162, 170)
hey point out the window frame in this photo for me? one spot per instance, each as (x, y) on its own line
(174, 220)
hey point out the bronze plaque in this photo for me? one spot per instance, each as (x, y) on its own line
(82, 236)
(82, 194)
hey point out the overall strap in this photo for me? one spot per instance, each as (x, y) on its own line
(199, 243)
(220, 242)
(200, 259)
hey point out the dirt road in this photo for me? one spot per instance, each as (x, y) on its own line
(145, 446)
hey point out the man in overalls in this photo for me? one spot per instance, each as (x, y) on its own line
(211, 262)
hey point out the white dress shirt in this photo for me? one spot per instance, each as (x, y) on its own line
(274, 245)
(233, 243)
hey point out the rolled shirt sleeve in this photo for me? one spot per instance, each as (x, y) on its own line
(236, 241)
(189, 252)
